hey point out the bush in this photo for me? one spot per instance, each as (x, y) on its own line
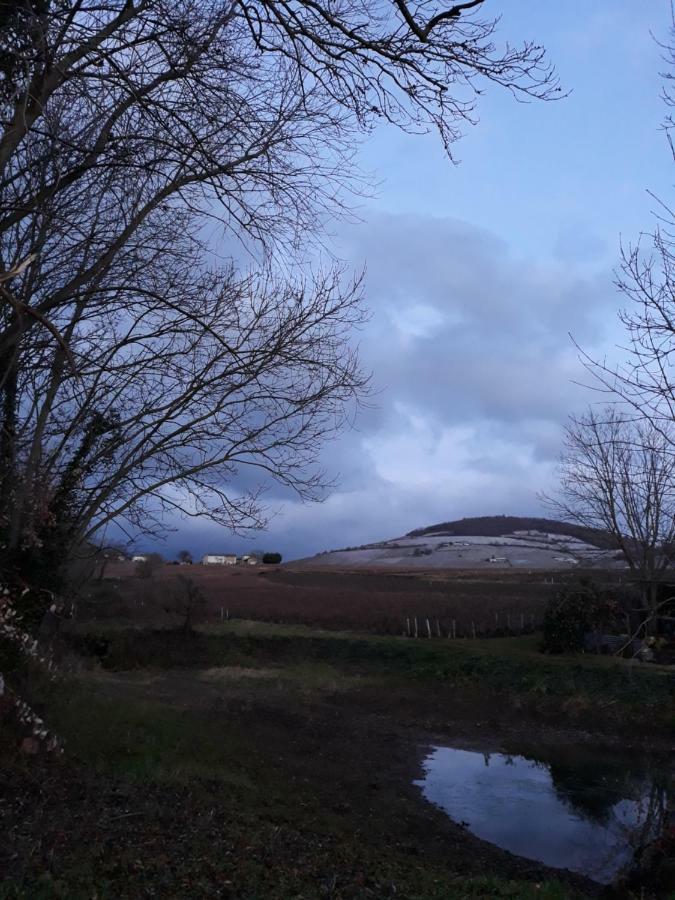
(187, 602)
(146, 568)
(574, 611)
(271, 558)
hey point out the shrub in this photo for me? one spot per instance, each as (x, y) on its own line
(187, 602)
(271, 558)
(569, 615)
(146, 568)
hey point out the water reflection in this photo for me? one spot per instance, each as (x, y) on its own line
(585, 812)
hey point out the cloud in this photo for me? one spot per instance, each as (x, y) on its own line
(474, 374)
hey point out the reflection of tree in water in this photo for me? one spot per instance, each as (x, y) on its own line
(652, 812)
(592, 786)
(620, 794)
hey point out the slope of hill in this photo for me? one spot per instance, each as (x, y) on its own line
(496, 526)
(487, 542)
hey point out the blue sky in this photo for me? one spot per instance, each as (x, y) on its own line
(555, 177)
(477, 273)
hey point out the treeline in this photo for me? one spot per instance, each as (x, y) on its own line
(494, 526)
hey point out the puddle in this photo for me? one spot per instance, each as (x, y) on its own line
(575, 810)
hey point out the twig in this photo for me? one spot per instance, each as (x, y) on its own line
(642, 624)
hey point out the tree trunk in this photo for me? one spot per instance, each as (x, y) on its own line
(650, 600)
(9, 393)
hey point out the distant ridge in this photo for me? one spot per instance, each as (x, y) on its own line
(495, 526)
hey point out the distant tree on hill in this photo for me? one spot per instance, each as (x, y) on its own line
(271, 558)
(496, 526)
(185, 556)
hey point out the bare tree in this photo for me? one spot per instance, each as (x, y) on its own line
(136, 376)
(187, 602)
(184, 556)
(618, 474)
(171, 407)
(245, 111)
(643, 380)
(129, 126)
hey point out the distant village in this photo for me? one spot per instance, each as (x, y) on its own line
(229, 559)
(218, 559)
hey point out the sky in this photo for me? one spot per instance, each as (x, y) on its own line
(476, 276)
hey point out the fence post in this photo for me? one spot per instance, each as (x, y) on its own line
(454, 629)
(407, 626)
(473, 629)
(438, 628)
(428, 629)
(415, 623)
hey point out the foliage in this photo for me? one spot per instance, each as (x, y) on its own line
(569, 615)
(19, 650)
(496, 526)
(271, 558)
(20, 44)
(146, 568)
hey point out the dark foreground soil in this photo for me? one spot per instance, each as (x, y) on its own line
(291, 781)
(355, 814)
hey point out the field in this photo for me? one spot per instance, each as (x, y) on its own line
(460, 602)
(273, 754)
(254, 761)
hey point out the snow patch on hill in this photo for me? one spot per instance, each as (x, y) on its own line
(521, 549)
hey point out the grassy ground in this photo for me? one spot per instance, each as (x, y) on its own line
(262, 761)
(619, 694)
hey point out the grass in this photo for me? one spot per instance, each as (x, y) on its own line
(82, 883)
(599, 689)
(257, 760)
(236, 807)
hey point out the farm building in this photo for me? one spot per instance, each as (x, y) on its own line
(140, 557)
(219, 559)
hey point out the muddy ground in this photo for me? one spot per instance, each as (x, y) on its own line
(265, 780)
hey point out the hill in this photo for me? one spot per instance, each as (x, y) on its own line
(484, 542)
(498, 526)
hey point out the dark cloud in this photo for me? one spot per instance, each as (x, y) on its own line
(474, 374)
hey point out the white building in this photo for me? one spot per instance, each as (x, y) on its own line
(219, 559)
(140, 557)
